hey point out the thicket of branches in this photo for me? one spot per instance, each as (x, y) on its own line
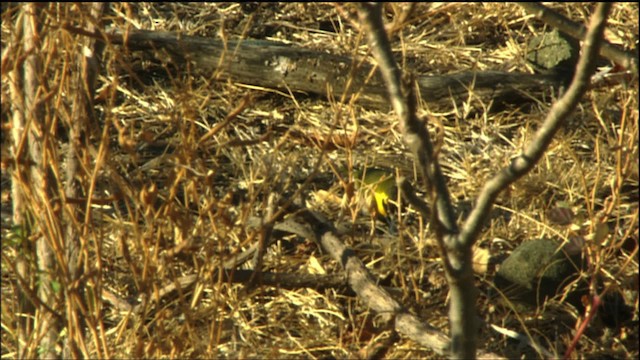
(157, 211)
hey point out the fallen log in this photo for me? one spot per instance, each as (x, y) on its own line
(277, 65)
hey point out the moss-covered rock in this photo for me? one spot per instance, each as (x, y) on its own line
(554, 52)
(536, 270)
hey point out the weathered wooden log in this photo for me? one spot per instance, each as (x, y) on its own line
(276, 65)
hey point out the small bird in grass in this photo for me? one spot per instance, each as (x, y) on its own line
(377, 188)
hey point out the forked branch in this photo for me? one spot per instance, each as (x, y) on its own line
(457, 246)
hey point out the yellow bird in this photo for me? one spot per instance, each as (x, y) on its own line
(376, 187)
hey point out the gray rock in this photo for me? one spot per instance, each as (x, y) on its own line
(537, 270)
(553, 52)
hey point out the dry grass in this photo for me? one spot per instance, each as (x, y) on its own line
(192, 199)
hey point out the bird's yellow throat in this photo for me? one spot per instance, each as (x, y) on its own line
(378, 186)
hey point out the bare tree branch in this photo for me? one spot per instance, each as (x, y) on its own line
(24, 272)
(414, 133)
(457, 248)
(376, 298)
(534, 151)
(79, 126)
(457, 260)
(40, 184)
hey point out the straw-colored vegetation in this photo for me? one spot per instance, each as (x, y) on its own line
(176, 201)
